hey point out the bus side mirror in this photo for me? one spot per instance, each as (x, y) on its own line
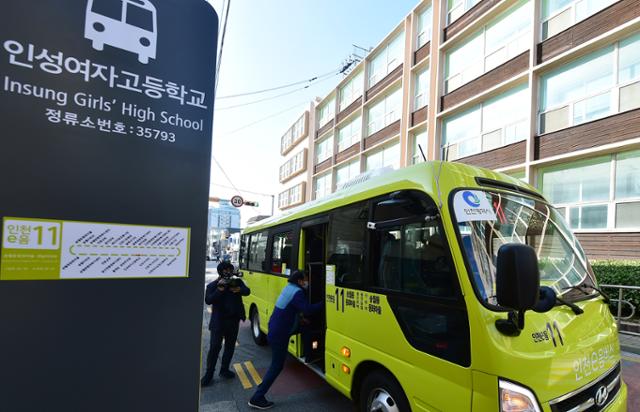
(517, 284)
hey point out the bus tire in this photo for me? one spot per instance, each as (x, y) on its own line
(381, 392)
(258, 336)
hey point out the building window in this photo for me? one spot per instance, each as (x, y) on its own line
(425, 20)
(322, 186)
(557, 15)
(349, 134)
(294, 134)
(292, 196)
(387, 59)
(384, 112)
(419, 138)
(582, 191)
(326, 112)
(347, 172)
(486, 126)
(456, 8)
(324, 149)
(350, 91)
(388, 156)
(293, 166)
(422, 89)
(590, 88)
(501, 40)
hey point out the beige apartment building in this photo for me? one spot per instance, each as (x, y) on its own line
(544, 90)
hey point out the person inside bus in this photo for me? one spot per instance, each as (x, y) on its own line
(225, 297)
(283, 323)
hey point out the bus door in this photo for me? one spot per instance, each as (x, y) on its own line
(314, 249)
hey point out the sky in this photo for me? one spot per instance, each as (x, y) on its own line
(269, 43)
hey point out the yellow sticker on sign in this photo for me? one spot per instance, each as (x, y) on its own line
(39, 249)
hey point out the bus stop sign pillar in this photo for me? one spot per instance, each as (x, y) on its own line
(105, 148)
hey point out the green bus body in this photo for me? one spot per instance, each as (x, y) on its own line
(436, 339)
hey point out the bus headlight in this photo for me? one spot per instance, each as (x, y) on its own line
(515, 398)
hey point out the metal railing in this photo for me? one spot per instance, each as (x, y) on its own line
(628, 322)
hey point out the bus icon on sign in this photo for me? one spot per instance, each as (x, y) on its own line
(129, 25)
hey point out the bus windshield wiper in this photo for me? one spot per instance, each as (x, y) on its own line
(582, 288)
(575, 308)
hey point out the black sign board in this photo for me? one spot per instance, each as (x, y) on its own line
(105, 147)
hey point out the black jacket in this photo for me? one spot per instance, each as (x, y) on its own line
(225, 305)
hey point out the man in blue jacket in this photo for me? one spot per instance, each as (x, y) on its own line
(283, 323)
(225, 297)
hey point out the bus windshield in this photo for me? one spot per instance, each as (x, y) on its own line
(486, 220)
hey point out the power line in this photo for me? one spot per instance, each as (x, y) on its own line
(225, 174)
(271, 97)
(224, 31)
(243, 190)
(277, 87)
(263, 119)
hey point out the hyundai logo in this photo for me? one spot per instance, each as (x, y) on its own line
(601, 395)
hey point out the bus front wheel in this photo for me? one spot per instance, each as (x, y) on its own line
(258, 336)
(380, 392)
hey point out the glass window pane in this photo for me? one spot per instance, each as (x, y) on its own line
(516, 103)
(550, 7)
(424, 26)
(629, 59)
(593, 217)
(592, 108)
(628, 215)
(586, 76)
(511, 25)
(578, 181)
(628, 175)
(422, 89)
(376, 118)
(374, 161)
(257, 252)
(463, 126)
(464, 56)
(281, 259)
(347, 234)
(391, 156)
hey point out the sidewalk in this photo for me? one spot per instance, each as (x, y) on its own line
(629, 343)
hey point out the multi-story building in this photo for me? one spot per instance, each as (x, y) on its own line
(223, 223)
(546, 91)
(294, 173)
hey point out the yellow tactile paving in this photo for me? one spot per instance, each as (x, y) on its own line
(253, 372)
(242, 376)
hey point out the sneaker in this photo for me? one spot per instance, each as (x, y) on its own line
(206, 380)
(227, 374)
(260, 403)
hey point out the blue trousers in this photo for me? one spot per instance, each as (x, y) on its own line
(278, 356)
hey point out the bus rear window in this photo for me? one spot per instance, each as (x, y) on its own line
(139, 17)
(108, 8)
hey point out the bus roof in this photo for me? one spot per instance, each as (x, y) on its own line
(421, 176)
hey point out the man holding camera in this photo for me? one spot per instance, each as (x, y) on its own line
(225, 297)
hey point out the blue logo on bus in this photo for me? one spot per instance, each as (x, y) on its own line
(471, 199)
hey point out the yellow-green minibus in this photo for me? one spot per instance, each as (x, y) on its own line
(447, 288)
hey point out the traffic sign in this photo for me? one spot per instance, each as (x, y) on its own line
(237, 201)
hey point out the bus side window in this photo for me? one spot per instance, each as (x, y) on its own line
(281, 253)
(413, 258)
(347, 236)
(244, 251)
(257, 252)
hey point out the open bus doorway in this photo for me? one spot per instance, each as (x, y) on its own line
(314, 264)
